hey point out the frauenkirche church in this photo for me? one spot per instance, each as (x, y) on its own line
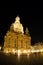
(15, 38)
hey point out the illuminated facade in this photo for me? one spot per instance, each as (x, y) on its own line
(15, 38)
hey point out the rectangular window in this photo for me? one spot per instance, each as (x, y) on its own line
(26, 44)
(21, 43)
(15, 44)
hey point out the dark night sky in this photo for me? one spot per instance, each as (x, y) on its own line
(30, 17)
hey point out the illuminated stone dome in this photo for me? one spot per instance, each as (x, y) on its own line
(17, 25)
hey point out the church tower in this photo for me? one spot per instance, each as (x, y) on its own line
(27, 31)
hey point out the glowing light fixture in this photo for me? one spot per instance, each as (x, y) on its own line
(0, 47)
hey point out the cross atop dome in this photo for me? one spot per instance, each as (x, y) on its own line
(17, 19)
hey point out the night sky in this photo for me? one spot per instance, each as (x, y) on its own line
(30, 17)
